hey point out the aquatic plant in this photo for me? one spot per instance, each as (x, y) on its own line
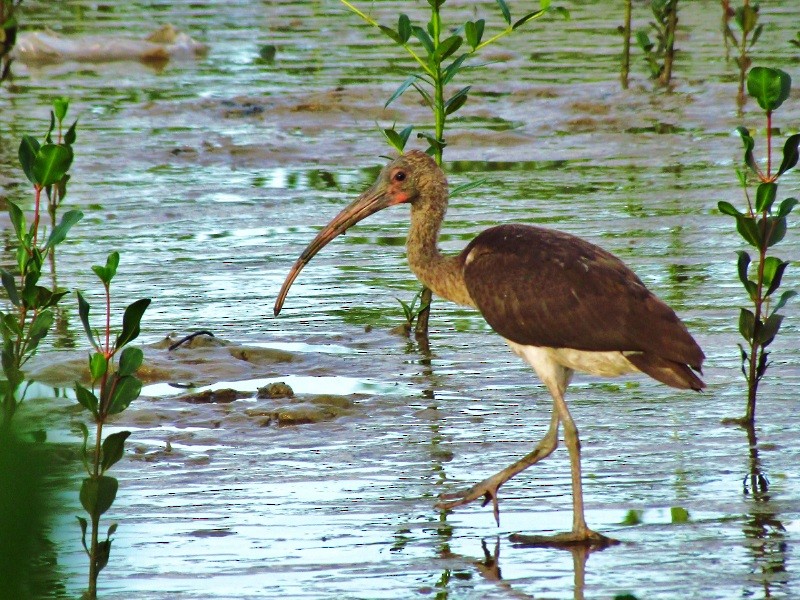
(30, 315)
(746, 19)
(411, 311)
(660, 54)
(118, 386)
(441, 53)
(762, 225)
(625, 30)
(8, 35)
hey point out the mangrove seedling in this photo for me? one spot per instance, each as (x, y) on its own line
(8, 35)
(411, 311)
(746, 19)
(660, 54)
(625, 30)
(30, 314)
(440, 53)
(762, 224)
(114, 386)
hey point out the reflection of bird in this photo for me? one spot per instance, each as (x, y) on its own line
(562, 304)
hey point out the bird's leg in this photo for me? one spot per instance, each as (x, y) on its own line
(489, 487)
(580, 534)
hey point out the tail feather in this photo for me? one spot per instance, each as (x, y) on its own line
(674, 374)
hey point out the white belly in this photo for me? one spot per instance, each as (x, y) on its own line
(546, 360)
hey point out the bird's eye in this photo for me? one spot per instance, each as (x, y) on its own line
(400, 176)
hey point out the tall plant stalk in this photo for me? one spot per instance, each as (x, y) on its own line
(438, 61)
(626, 46)
(762, 226)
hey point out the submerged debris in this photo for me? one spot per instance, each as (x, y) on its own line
(225, 396)
(279, 389)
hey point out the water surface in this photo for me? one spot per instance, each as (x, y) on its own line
(210, 177)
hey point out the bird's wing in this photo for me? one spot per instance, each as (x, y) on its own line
(541, 287)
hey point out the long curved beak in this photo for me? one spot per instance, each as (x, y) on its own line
(374, 199)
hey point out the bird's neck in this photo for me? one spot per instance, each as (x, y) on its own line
(442, 274)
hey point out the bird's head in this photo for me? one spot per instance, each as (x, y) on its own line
(403, 181)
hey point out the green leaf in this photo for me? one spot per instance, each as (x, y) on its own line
(425, 96)
(59, 232)
(460, 189)
(400, 90)
(98, 365)
(17, 219)
(39, 327)
(130, 322)
(10, 284)
(770, 87)
(52, 162)
(747, 323)
(447, 48)
(786, 207)
(125, 390)
(84, 526)
(28, 149)
(790, 154)
(746, 17)
(113, 449)
(84, 451)
(404, 28)
(783, 299)
(107, 273)
(86, 399)
(47, 137)
(434, 143)
(71, 136)
(643, 40)
(48, 299)
(756, 35)
(749, 144)
(765, 196)
(743, 265)
(504, 10)
(83, 312)
(473, 31)
(745, 225)
(450, 71)
(397, 139)
(129, 361)
(773, 273)
(103, 554)
(60, 107)
(772, 230)
(98, 494)
(528, 17)
(456, 101)
(424, 38)
(769, 329)
(391, 33)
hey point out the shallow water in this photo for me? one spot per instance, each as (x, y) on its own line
(210, 177)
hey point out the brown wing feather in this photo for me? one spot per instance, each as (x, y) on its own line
(542, 287)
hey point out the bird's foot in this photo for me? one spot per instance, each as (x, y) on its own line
(586, 538)
(487, 489)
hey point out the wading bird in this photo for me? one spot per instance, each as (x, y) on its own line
(561, 303)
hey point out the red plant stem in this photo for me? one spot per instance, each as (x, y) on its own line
(108, 352)
(38, 195)
(769, 145)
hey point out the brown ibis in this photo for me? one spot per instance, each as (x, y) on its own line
(561, 303)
